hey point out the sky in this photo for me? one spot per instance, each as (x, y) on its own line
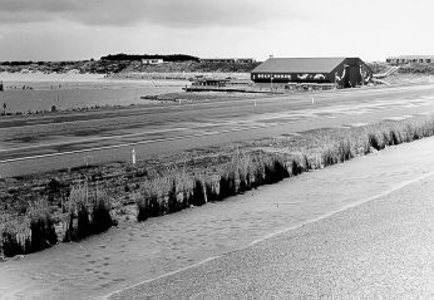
(84, 29)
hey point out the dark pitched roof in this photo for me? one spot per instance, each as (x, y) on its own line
(299, 65)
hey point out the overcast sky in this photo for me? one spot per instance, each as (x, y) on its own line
(83, 29)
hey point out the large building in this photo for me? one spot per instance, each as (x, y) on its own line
(405, 59)
(340, 71)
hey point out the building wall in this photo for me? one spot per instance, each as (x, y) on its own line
(351, 73)
(292, 77)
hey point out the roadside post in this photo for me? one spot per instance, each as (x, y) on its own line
(134, 156)
(313, 100)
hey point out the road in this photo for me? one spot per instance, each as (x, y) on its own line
(68, 140)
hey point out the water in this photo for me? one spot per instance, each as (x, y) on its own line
(39, 95)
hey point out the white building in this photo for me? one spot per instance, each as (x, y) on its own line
(152, 61)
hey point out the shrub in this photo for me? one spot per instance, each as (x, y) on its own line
(43, 234)
(227, 185)
(211, 192)
(375, 142)
(11, 244)
(275, 171)
(92, 217)
(296, 168)
(83, 223)
(199, 197)
(344, 152)
(148, 203)
(172, 200)
(143, 211)
(101, 218)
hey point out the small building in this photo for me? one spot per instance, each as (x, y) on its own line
(405, 59)
(342, 72)
(152, 61)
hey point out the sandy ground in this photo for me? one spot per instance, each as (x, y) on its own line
(403, 79)
(39, 76)
(382, 249)
(137, 252)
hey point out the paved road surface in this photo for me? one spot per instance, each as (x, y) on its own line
(74, 140)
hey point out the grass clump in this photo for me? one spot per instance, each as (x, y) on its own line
(89, 213)
(13, 240)
(151, 200)
(29, 235)
(43, 234)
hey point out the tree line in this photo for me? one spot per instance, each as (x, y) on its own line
(170, 57)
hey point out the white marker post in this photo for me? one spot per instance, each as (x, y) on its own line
(134, 156)
(313, 100)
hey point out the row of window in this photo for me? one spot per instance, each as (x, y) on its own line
(268, 76)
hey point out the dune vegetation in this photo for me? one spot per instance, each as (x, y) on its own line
(39, 211)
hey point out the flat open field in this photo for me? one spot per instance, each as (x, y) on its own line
(54, 141)
(299, 234)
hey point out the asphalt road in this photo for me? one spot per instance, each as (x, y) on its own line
(69, 140)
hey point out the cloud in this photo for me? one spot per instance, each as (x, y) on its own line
(167, 13)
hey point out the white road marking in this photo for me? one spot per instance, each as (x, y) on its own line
(87, 140)
(398, 118)
(134, 143)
